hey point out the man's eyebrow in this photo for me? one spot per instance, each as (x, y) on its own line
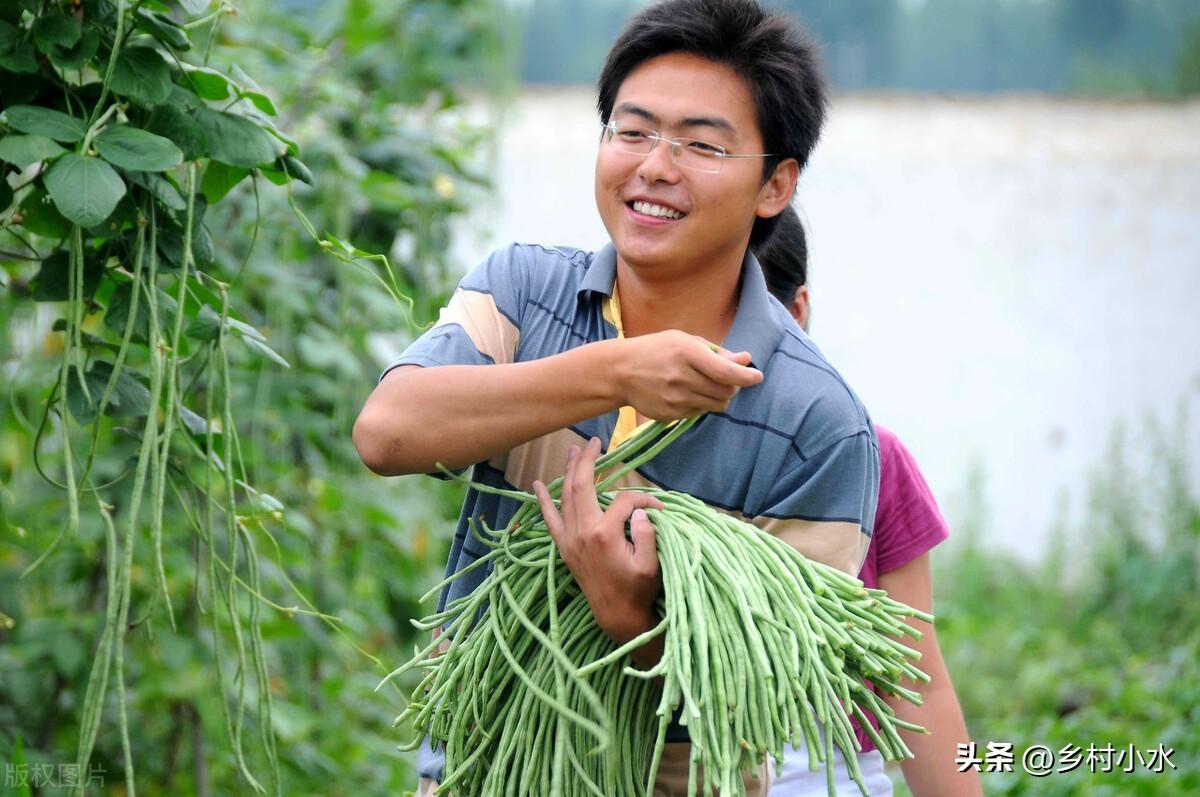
(707, 121)
(715, 122)
(637, 110)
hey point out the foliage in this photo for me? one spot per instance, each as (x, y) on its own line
(1098, 643)
(195, 397)
(1187, 65)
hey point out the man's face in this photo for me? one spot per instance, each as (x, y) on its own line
(707, 217)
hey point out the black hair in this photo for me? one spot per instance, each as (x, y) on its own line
(784, 256)
(778, 61)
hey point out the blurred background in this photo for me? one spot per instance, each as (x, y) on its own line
(1005, 264)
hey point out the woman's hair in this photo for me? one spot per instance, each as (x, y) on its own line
(768, 50)
(784, 256)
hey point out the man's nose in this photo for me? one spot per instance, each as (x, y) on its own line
(660, 164)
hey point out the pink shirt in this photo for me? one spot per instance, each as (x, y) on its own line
(907, 520)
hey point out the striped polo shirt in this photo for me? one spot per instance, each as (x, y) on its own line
(796, 454)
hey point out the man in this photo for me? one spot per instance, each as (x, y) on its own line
(907, 526)
(710, 109)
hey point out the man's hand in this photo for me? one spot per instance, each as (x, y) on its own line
(619, 577)
(671, 375)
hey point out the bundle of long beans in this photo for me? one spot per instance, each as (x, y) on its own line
(762, 647)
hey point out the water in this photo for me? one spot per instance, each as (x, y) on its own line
(1001, 280)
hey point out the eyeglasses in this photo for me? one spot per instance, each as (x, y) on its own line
(690, 153)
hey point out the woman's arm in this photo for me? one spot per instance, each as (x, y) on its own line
(933, 773)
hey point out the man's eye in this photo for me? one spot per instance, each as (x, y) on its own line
(702, 148)
(632, 135)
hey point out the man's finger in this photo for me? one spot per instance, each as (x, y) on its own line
(721, 369)
(627, 501)
(739, 357)
(584, 475)
(569, 480)
(553, 520)
(645, 553)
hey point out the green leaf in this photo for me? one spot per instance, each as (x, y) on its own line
(53, 31)
(131, 148)
(124, 214)
(261, 101)
(169, 121)
(234, 140)
(289, 145)
(275, 176)
(45, 122)
(219, 178)
(142, 75)
(202, 244)
(75, 57)
(129, 397)
(117, 312)
(265, 502)
(258, 347)
(102, 12)
(42, 217)
(184, 98)
(84, 189)
(163, 29)
(208, 83)
(83, 405)
(16, 55)
(249, 90)
(202, 295)
(53, 280)
(196, 424)
(160, 188)
(24, 150)
(206, 325)
(170, 244)
(245, 330)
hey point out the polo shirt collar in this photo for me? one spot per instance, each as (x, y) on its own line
(601, 273)
(756, 327)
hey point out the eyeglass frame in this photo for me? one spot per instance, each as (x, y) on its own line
(612, 126)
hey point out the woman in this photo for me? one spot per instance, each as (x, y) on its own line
(907, 525)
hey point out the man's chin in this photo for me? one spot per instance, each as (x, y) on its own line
(643, 258)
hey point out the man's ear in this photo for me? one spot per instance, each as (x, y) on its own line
(777, 191)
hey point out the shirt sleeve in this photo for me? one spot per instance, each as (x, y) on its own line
(481, 322)
(908, 522)
(824, 505)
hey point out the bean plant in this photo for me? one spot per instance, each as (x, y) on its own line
(136, 161)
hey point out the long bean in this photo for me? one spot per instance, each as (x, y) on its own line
(761, 646)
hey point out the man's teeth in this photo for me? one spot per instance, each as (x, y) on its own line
(656, 210)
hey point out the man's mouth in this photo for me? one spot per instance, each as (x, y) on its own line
(658, 211)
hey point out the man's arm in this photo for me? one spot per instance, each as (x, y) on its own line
(933, 771)
(457, 415)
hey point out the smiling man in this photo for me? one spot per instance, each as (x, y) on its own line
(546, 356)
